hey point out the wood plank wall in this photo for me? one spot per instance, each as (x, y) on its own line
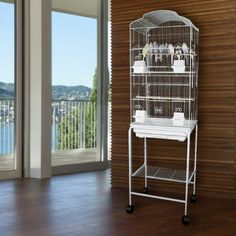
(216, 20)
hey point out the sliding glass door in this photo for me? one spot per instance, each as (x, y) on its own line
(74, 91)
(76, 87)
(10, 89)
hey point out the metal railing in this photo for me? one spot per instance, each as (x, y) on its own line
(73, 124)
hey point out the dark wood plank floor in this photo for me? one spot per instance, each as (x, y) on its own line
(84, 204)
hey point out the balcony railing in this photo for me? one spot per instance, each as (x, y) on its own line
(73, 124)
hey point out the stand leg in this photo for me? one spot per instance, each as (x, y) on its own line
(145, 160)
(185, 219)
(130, 207)
(195, 160)
(145, 189)
(130, 164)
(193, 197)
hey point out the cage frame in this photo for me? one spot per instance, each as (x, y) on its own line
(151, 128)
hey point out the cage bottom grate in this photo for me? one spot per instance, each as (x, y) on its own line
(164, 173)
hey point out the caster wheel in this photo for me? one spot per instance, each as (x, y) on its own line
(193, 198)
(145, 190)
(185, 220)
(130, 209)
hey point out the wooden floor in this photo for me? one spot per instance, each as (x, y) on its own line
(85, 205)
(59, 158)
(76, 156)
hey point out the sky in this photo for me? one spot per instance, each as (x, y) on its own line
(7, 43)
(74, 47)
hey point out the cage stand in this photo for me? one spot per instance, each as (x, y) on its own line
(188, 179)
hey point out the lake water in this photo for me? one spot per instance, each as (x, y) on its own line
(7, 138)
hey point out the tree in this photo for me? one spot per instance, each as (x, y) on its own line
(79, 119)
(69, 130)
(91, 116)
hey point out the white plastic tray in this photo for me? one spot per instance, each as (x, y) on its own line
(163, 129)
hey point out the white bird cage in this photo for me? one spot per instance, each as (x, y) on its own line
(163, 94)
(164, 69)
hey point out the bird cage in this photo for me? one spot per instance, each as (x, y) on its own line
(163, 96)
(164, 69)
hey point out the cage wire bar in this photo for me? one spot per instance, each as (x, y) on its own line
(164, 65)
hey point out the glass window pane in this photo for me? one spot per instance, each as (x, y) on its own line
(110, 82)
(7, 85)
(74, 81)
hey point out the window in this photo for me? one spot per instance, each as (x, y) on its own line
(76, 115)
(10, 94)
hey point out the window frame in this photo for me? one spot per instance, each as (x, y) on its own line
(102, 162)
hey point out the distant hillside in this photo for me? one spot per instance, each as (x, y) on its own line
(6, 94)
(59, 92)
(6, 90)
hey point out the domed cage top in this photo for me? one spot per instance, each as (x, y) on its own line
(164, 69)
